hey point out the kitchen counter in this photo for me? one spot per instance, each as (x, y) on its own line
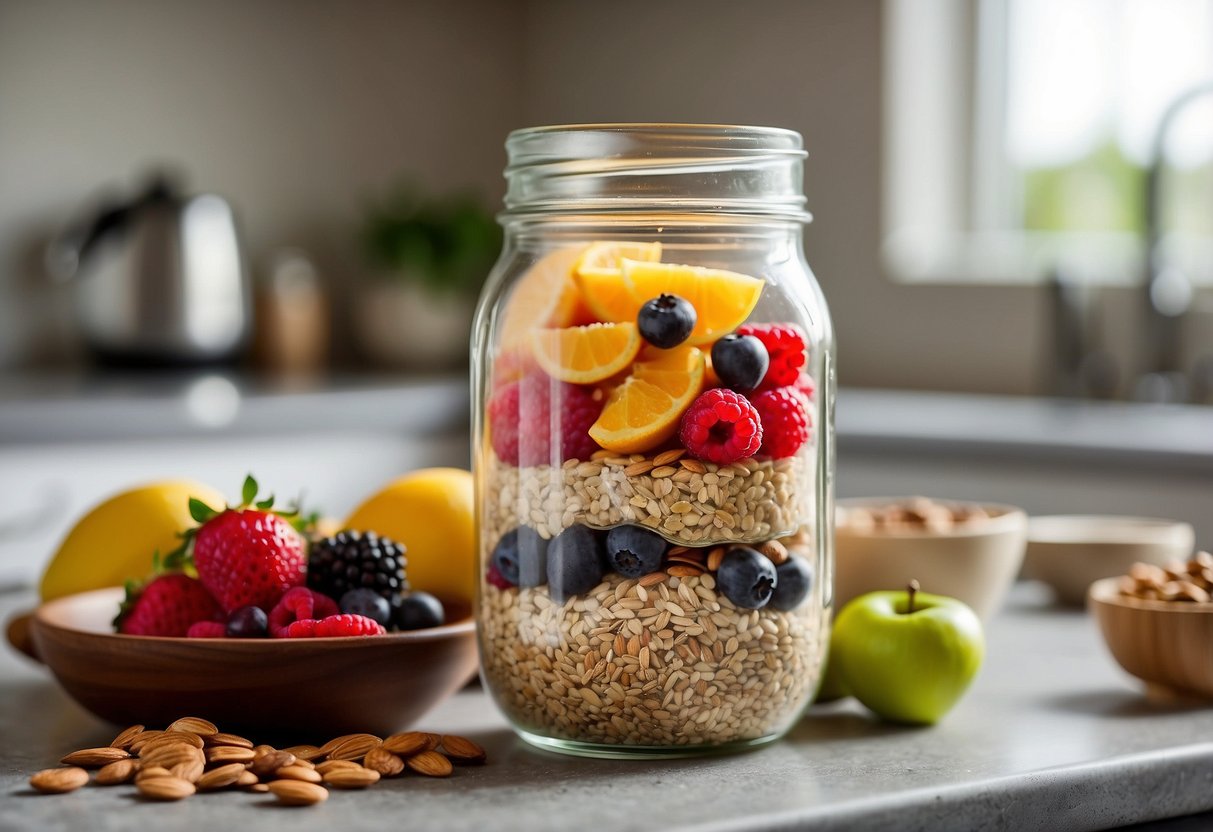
(1052, 736)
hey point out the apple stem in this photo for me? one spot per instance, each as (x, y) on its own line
(911, 590)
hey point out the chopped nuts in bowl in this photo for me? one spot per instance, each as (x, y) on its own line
(965, 550)
(1158, 625)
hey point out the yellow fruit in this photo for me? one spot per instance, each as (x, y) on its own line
(722, 300)
(430, 511)
(115, 541)
(546, 296)
(585, 354)
(602, 287)
(645, 410)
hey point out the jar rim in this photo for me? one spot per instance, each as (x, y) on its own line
(637, 166)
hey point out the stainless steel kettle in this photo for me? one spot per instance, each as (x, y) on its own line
(158, 280)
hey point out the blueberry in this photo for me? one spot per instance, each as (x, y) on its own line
(633, 551)
(418, 610)
(747, 578)
(367, 602)
(740, 361)
(575, 563)
(794, 580)
(248, 622)
(521, 556)
(666, 321)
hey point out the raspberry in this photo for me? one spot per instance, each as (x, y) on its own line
(806, 387)
(495, 578)
(347, 625)
(207, 629)
(303, 628)
(786, 345)
(299, 604)
(785, 421)
(721, 426)
(168, 605)
(522, 424)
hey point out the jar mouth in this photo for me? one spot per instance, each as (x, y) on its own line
(672, 168)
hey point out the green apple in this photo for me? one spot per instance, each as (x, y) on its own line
(907, 655)
(831, 687)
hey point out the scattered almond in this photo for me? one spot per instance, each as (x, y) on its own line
(382, 761)
(462, 750)
(118, 772)
(94, 757)
(297, 792)
(189, 771)
(229, 754)
(127, 737)
(351, 778)
(775, 551)
(146, 772)
(431, 764)
(329, 765)
(247, 778)
(666, 457)
(174, 738)
(355, 747)
(298, 772)
(304, 752)
(228, 739)
(171, 755)
(194, 725)
(680, 570)
(59, 780)
(410, 743)
(143, 739)
(165, 788)
(261, 788)
(270, 762)
(223, 776)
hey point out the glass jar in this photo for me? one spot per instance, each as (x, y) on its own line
(655, 508)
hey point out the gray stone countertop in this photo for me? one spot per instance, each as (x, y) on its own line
(1052, 736)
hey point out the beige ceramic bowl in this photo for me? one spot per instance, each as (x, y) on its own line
(1069, 553)
(975, 562)
(1166, 644)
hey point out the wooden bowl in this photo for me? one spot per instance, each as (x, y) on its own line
(1069, 553)
(1168, 645)
(974, 562)
(319, 687)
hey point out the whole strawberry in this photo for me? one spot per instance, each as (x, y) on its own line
(168, 605)
(247, 555)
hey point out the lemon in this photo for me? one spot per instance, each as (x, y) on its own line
(430, 511)
(115, 541)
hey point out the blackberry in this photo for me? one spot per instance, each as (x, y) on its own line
(357, 560)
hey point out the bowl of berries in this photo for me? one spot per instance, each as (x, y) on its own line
(257, 620)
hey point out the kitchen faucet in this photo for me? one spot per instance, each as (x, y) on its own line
(1167, 290)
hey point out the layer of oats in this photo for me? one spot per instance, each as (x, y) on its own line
(670, 663)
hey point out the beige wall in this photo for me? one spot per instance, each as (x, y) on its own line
(295, 109)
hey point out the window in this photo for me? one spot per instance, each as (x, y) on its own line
(1021, 132)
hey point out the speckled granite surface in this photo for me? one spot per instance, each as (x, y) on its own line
(1053, 736)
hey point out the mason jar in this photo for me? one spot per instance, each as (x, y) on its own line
(653, 395)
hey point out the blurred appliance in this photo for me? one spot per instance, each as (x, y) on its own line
(159, 279)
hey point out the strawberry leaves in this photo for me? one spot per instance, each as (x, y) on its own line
(248, 493)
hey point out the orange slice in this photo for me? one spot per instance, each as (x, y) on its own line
(644, 411)
(597, 274)
(585, 354)
(546, 296)
(722, 300)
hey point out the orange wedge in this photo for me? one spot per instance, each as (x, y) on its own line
(585, 354)
(722, 300)
(644, 411)
(546, 296)
(597, 274)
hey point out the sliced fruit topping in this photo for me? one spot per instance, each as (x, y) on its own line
(166, 606)
(357, 560)
(740, 361)
(666, 321)
(522, 423)
(606, 257)
(419, 610)
(785, 421)
(644, 411)
(602, 287)
(787, 346)
(722, 299)
(721, 426)
(545, 296)
(586, 354)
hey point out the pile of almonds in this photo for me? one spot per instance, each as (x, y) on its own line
(913, 514)
(192, 755)
(1190, 582)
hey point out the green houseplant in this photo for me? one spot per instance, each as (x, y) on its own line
(428, 257)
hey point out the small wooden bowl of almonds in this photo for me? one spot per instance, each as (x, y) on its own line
(331, 685)
(1158, 625)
